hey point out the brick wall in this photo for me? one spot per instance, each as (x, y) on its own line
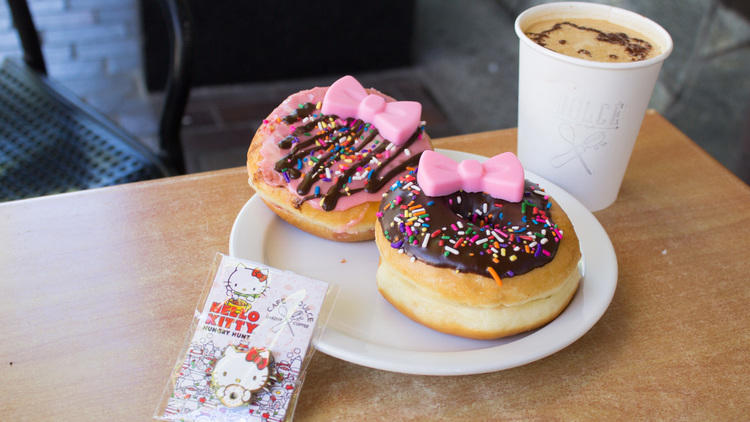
(92, 47)
(81, 39)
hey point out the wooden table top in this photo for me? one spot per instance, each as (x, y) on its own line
(98, 288)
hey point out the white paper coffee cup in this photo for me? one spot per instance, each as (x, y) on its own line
(578, 119)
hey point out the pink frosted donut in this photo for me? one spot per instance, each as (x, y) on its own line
(323, 173)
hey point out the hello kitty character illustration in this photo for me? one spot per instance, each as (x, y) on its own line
(246, 284)
(239, 374)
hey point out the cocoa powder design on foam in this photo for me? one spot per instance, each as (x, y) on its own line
(635, 48)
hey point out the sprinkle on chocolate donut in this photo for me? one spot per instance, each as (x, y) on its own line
(470, 232)
(333, 157)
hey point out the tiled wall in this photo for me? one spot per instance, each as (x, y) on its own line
(81, 38)
(93, 48)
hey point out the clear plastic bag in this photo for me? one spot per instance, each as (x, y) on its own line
(248, 346)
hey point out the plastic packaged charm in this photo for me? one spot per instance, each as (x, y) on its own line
(248, 346)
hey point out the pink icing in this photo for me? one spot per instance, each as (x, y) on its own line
(395, 120)
(501, 176)
(274, 129)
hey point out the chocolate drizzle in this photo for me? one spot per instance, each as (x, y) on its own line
(299, 113)
(636, 48)
(351, 143)
(470, 231)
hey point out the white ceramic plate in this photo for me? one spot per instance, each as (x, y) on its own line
(365, 329)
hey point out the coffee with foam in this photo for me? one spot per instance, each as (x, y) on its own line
(592, 39)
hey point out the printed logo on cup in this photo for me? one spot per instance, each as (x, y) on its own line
(590, 113)
(584, 126)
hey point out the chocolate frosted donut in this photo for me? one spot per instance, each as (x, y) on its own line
(470, 264)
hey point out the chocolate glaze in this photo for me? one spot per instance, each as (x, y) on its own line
(350, 137)
(523, 229)
(636, 48)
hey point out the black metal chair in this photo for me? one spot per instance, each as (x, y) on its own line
(52, 142)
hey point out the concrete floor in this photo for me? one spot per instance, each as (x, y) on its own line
(464, 72)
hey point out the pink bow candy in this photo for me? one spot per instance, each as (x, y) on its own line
(501, 176)
(396, 121)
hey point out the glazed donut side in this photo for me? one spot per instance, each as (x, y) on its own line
(482, 323)
(350, 225)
